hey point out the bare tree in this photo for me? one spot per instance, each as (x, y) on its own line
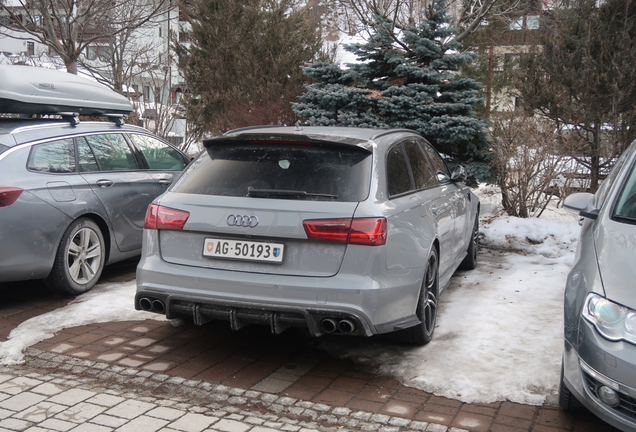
(360, 15)
(530, 163)
(68, 27)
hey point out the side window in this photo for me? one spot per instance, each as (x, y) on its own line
(441, 171)
(421, 171)
(397, 172)
(112, 152)
(158, 154)
(87, 161)
(53, 157)
(603, 190)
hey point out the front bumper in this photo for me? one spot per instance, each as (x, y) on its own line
(598, 362)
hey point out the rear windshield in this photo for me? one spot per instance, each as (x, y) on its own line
(300, 172)
(3, 148)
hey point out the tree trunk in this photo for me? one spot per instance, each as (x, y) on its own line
(71, 66)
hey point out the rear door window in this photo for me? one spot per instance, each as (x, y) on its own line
(87, 161)
(53, 157)
(158, 155)
(112, 152)
(421, 170)
(399, 179)
(263, 170)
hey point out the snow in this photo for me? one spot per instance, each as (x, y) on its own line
(500, 327)
(104, 303)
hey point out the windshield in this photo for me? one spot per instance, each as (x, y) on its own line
(274, 171)
(626, 206)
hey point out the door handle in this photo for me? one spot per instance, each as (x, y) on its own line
(165, 182)
(104, 183)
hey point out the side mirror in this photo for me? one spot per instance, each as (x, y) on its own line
(459, 174)
(581, 203)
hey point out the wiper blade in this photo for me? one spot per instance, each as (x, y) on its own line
(252, 192)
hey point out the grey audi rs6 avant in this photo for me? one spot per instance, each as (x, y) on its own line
(337, 230)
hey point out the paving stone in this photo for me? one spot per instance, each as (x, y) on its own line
(90, 427)
(57, 425)
(166, 413)
(110, 421)
(226, 425)
(255, 420)
(18, 385)
(48, 389)
(22, 401)
(105, 400)
(143, 424)
(130, 409)
(192, 422)
(40, 412)
(80, 413)
(14, 424)
(72, 396)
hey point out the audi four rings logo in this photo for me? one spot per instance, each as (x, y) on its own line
(242, 221)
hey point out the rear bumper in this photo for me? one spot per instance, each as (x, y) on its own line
(371, 306)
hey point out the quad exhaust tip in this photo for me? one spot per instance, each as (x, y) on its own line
(344, 326)
(152, 305)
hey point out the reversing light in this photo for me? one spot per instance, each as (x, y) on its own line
(362, 231)
(9, 195)
(165, 218)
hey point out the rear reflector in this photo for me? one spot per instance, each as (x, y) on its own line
(9, 195)
(159, 217)
(362, 231)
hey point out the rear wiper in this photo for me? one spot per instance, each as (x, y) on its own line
(251, 192)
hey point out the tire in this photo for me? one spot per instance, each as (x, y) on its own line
(470, 262)
(79, 260)
(426, 311)
(567, 401)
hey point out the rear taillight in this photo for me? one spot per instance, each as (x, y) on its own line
(9, 195)
(159, 217)
(362, 231)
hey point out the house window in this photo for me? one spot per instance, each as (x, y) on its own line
(102, 53)
(30, 48)
(184, 37)
(532, 22)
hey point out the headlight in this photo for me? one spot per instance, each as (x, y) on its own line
(613, 321)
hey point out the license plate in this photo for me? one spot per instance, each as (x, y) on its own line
(243, 250)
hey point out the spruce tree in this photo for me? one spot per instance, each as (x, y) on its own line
(404, 79)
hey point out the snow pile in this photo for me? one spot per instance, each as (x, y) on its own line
(550, 238)
(104, 303)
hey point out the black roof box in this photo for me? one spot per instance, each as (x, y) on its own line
(32, 90)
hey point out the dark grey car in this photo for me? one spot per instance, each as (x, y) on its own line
(338, 230)
(599, 361)
(73, 196)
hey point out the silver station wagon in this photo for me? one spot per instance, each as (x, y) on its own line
(73, 195)
(337, 230)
